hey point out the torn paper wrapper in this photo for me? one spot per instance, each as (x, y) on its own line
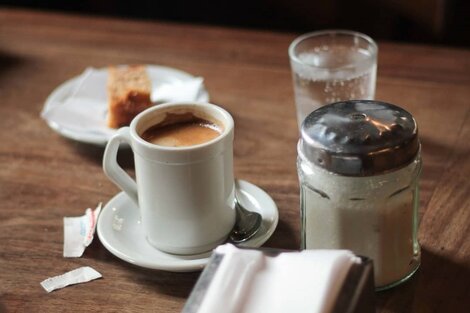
(79, 231)
(77, 276)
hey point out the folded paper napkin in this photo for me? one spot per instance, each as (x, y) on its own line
(86, 108)
(249, 281)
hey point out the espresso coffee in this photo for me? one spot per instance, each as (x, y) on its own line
(181, 130)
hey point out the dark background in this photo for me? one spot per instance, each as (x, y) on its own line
(442, 22)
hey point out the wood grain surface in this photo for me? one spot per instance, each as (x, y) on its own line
(44, 177)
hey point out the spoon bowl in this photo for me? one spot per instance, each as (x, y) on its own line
(247, 223)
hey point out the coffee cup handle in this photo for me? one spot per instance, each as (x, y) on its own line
(112, 169)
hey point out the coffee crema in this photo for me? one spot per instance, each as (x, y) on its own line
(181, 130)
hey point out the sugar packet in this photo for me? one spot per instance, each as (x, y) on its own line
(79, 231)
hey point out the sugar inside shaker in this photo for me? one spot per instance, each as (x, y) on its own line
(359, 164)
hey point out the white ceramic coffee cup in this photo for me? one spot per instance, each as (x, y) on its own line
(185, 194)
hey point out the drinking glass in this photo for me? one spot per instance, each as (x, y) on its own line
(330, 66)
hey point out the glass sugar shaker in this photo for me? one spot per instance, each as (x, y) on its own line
(359, 164)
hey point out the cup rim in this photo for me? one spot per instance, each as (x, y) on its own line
(228, 124)
(333, 32)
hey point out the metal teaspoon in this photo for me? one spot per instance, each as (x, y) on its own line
(247, 223)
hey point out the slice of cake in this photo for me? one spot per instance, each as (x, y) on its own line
(128, 94)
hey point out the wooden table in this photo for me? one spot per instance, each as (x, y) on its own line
(44, 177)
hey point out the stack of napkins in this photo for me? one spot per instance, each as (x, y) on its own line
(86, 108)
(316, 281)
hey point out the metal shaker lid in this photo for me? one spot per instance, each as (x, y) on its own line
(359, 137)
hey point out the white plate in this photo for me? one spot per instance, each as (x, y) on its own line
(120, 231)
(159, 75)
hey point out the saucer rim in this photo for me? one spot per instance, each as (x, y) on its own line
(195, 262)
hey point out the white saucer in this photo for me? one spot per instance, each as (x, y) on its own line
(159, 75)
(120, 231)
